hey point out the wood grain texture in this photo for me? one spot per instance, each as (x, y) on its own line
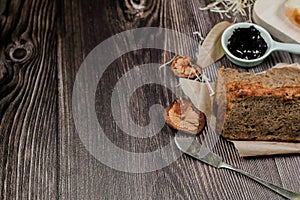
(42, 46)
(28, 100)
(83, 177)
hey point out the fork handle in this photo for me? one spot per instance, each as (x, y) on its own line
(286, 193)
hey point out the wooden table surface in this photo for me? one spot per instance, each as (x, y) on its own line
(42, 46)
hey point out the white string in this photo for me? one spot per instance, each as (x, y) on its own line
(210, 89)
(165, 64)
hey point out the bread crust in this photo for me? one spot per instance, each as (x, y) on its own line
(238, 90)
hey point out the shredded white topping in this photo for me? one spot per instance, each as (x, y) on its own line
(231, 8)
(200, 36)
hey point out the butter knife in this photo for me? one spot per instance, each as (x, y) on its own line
(192, 147)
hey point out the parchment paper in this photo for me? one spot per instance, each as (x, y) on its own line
(199, 94)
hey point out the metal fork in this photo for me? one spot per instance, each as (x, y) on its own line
(192, 147)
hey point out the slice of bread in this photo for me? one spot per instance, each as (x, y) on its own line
(262, 106)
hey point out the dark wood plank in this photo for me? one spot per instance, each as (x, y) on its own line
(41, 153)
(84, 25)
(28, 100)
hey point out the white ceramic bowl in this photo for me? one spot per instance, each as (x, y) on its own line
(272, 45)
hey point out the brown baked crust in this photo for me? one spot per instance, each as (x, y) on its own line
(240, 90)
(259, 107)
(182, 67)
(272, 78)
(182, 115)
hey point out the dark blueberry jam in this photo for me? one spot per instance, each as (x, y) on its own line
(247, 43)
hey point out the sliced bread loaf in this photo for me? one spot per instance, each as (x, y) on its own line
(262, 106)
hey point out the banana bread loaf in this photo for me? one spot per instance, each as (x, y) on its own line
(263, 106)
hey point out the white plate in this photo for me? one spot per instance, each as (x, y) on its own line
(270, 15)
